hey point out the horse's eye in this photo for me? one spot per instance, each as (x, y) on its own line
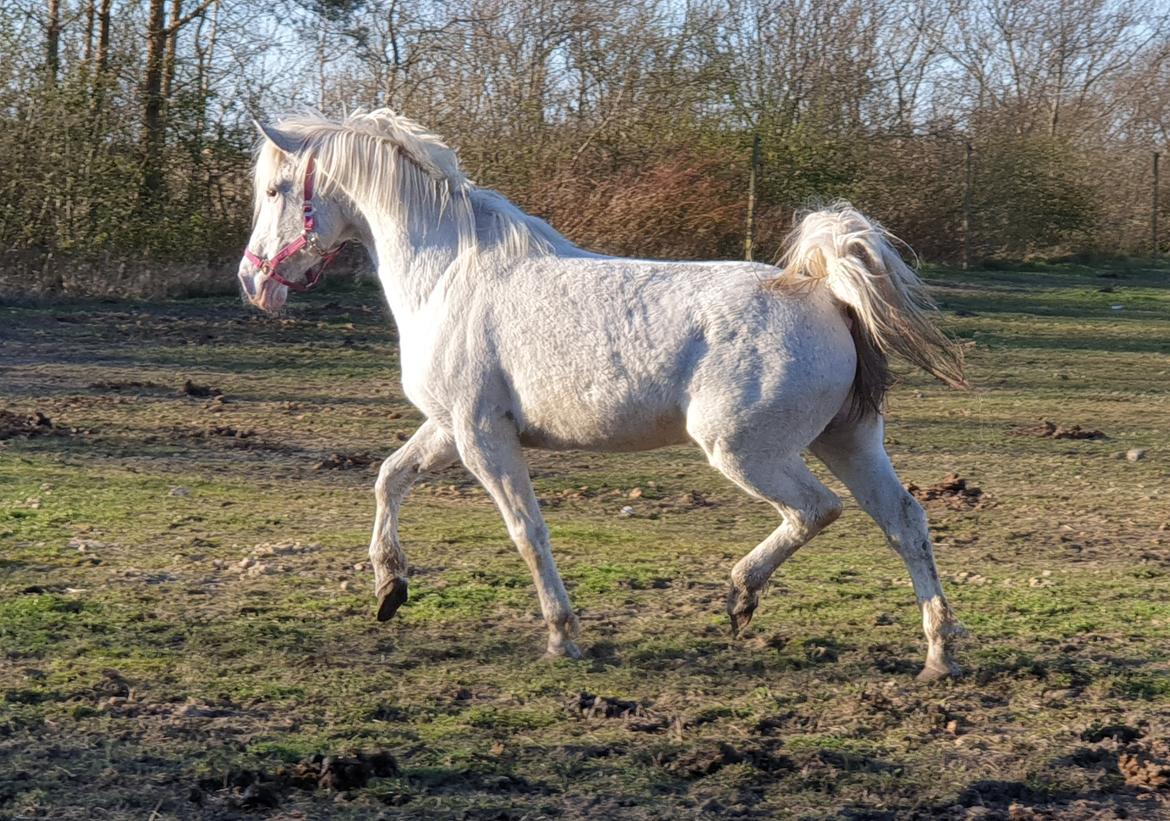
(271, 191)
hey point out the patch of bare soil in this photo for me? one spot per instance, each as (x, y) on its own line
(125, 385)
(649, 497)
(254, 789)
(1051, 430)
(346, 461)
(635, 716)
(227, 436)
(953, 491)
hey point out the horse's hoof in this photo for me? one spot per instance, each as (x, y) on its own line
(741, 606)
(739, 621)
(390, 600)
(936, 672)
(563, 650)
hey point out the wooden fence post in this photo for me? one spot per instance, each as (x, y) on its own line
(750, 236)
(1154, 213)
(967, 185)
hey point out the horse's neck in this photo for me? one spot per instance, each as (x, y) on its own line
(410, 263)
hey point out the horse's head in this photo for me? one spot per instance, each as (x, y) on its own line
(295, 230)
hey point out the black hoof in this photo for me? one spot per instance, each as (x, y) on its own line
(739, 621)
(391, 600)
(741, 605)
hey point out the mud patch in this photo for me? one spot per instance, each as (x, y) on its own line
(125, 385)
(1051, 430)
(230, 432)
(953, 491)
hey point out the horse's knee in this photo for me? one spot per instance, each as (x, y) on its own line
(394, 480)
(382, 483)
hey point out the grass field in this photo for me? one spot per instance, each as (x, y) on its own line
(186, 613)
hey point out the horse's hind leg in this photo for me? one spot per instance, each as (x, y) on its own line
(430, 449)
(853, 451)
(806, 505)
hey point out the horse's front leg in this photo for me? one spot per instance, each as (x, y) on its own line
(430, 449)
(490, 449)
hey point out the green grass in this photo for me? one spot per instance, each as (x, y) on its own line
(138, 658)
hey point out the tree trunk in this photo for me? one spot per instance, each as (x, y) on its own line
(90, 11)
(53, 40)
(169, 58)
(749, 241)
(153, 124)
(103, 44)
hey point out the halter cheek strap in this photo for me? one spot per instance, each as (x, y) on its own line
(307, 239)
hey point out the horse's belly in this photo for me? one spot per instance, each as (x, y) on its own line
(609, 429)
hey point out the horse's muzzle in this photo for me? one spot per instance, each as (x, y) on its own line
(261, 290)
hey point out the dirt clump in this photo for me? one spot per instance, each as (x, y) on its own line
(230, 432)
(1145, 765)
(1118, 732)
(953, 491)
(339, 772)
(635, 716)
(1051, 430)
(254, 789)
(13, 425)
(711, 757)
(686, 502)
(193, 389)
(346, 461)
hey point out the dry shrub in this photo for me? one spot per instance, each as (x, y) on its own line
(915, 188)
(681, 206)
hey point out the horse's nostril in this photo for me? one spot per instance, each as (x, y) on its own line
(249, 283)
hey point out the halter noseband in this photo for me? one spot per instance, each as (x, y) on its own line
(307, 239)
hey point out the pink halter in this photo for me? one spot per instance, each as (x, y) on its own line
(307, 239)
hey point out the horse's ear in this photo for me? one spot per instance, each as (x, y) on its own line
(285, 142)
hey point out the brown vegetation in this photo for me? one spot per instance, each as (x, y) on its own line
(978, 129)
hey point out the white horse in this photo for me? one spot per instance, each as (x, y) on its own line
(513, 337)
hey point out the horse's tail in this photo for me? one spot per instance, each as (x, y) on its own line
(887, 302)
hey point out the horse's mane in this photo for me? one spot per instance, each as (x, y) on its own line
(382, 160)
